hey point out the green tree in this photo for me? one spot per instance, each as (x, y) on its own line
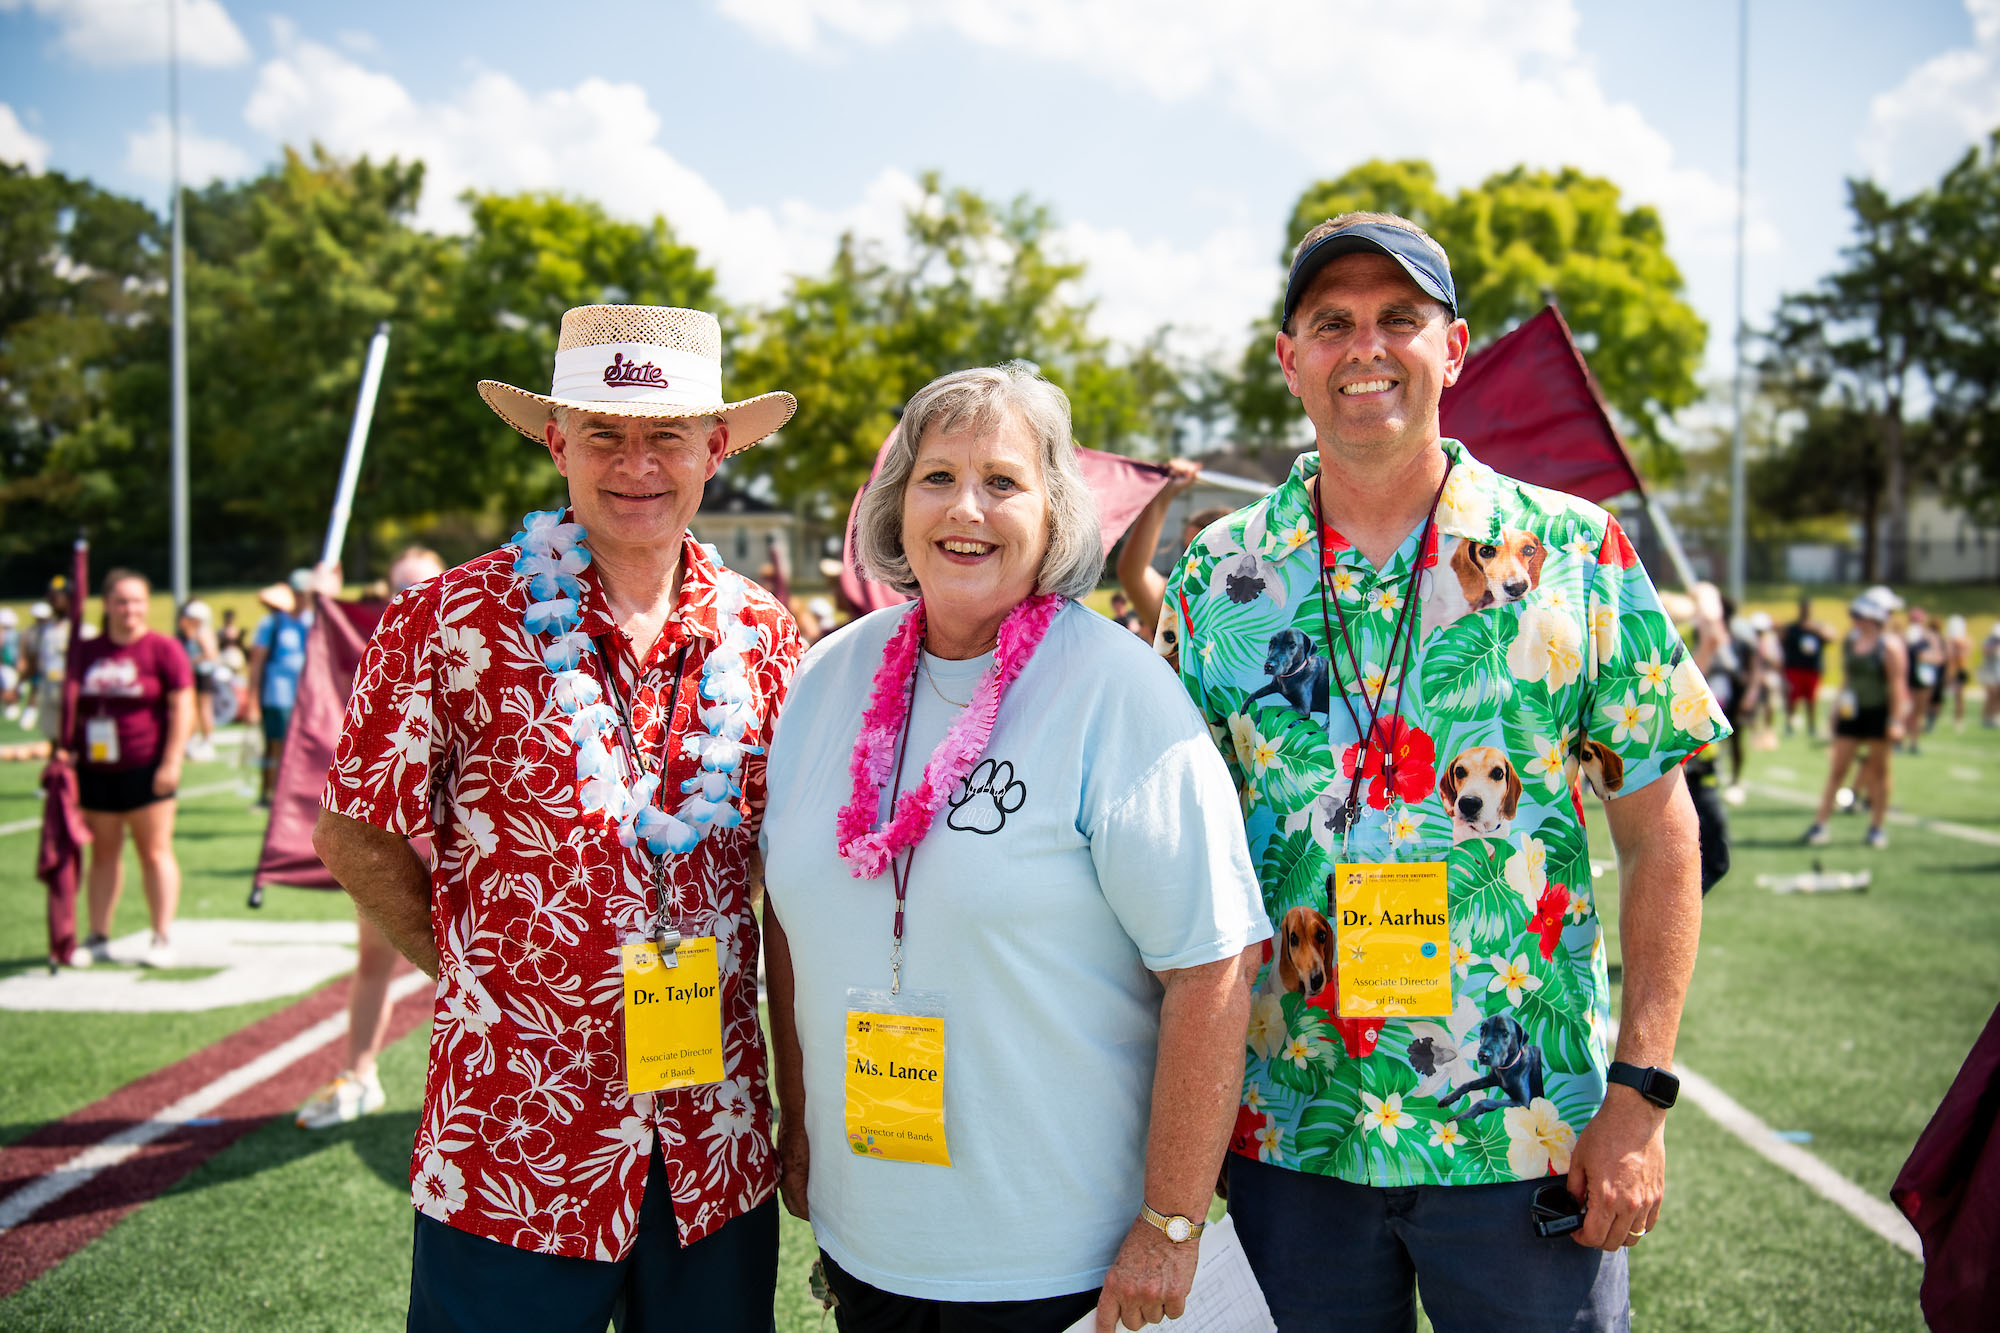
(1893, 360)
(978, 286)
(82, 346)
(1517, 238)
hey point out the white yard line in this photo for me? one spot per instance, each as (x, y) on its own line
(99, 1157)
(29, 825)
(1878, 1215)
(1984, 837)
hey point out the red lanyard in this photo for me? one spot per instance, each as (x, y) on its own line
(666, 934)
(1404, 637)
(899, 867)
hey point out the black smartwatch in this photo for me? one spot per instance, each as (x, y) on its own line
(1655, 1085)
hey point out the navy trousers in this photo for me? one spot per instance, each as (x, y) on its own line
(1331, 1255)
(723, 1283)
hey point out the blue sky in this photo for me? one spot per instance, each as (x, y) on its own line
(1169, 137)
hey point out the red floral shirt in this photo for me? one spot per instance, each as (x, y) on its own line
(528, 1136)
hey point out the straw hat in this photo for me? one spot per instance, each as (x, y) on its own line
(640, 361)
(279, 597)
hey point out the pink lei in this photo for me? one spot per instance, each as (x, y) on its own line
(868, 850)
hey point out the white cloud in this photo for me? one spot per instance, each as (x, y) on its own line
(1209, 294)
(1475, 88)
(1946, 104)
(19, 145)
(596, 139)
(134, 32)
(149, 153)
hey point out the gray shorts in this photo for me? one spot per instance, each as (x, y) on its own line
(1336, 1256)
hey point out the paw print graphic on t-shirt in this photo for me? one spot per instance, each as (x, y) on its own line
(987, 796)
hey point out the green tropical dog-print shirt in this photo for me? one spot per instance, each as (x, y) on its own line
(1542, 661)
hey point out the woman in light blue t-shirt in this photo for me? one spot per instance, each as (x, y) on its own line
(1002, 808)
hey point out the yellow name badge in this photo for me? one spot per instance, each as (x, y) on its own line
(673, 1016)
(1393, 941)
(895, 1087)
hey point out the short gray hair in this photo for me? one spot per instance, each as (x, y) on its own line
(562, 415)
(979, 399)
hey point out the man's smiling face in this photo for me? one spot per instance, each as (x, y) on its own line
(635, 482)
(1370, 354)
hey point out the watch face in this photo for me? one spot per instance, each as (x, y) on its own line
(1178, 1229)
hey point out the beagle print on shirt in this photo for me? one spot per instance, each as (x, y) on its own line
(1543, 665)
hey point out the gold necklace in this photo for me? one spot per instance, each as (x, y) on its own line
(955, 703)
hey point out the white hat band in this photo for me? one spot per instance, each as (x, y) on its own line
(637, 373)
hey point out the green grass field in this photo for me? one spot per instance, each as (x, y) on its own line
(1841, 1015)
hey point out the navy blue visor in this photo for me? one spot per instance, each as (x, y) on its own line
(1424, 265)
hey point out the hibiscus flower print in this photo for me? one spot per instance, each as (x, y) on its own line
(438, 1188)
(1539, 1142)
(1384, 1115)
(1548, 919)
(517, 1131)
(465, 656)
(1401, 763)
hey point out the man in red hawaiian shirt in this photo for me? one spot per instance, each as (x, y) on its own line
(519, 710)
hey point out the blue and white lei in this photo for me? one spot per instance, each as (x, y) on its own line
(552, 555)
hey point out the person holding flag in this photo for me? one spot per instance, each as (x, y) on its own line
(1413, 664)
(577, 721)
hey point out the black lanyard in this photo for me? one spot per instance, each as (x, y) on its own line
(1403, 637)
(667, 935)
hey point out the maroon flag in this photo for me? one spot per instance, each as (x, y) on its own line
(1121, 486)
(1527, 406)
(339, 635)
(59, 857)
(1950, 1191)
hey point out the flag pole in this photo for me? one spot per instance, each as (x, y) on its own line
(179, 486)
(1737, 500)
(357, 444)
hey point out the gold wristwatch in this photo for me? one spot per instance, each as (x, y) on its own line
(1177, 1229)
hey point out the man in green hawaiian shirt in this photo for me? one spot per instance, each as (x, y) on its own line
(1408, 658)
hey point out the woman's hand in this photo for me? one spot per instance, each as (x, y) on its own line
(794, 1165)
(1149, 1280)
(167, 777)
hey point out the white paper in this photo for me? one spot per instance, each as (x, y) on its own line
(1225, 1297)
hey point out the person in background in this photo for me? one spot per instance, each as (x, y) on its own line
(1868, 715)
(1140, 582)
(357, 1090)
(135, 711)
(1925, 650)
(197, 639)
(48, 656)
(10, 662)
(277, 656)
(229, 636)
(1803, 641)
(1699, 617)
(1957, 666)
(1989, 677)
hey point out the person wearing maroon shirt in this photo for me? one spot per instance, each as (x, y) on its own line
(135, 711)
(534, 714)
